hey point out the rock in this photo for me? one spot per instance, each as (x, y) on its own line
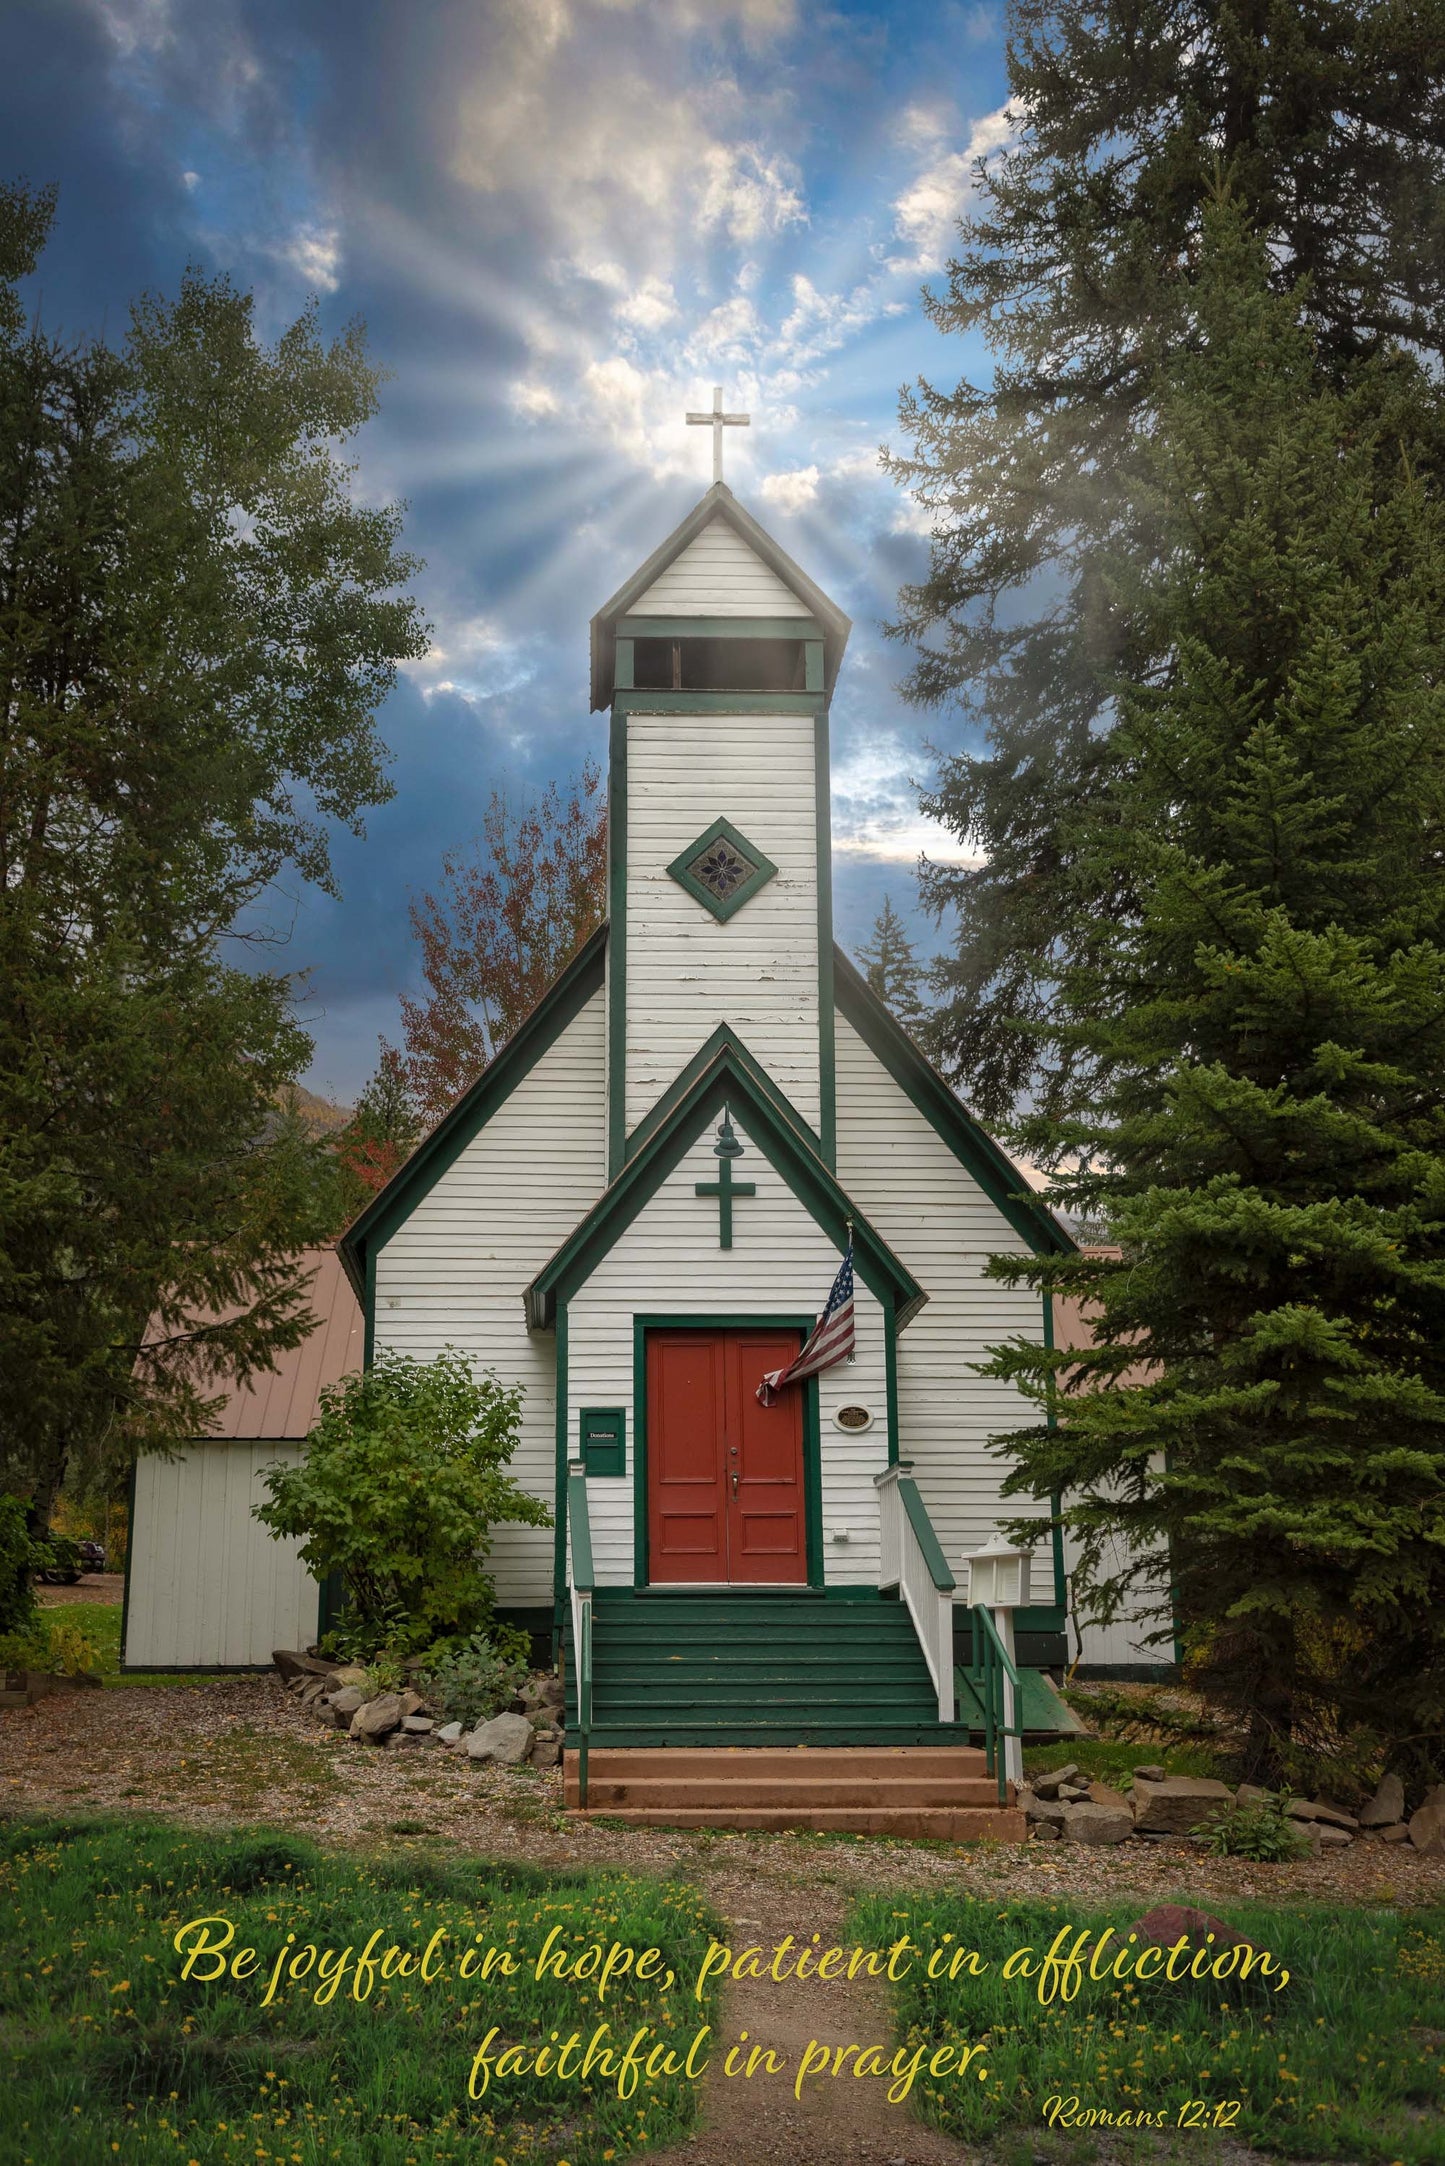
(411, 1702)
(1387, 1807)
(546, 1752)
(1427, 1823)
(1178, 1804)
(1097, 1824)
(1171, 1922)
(1073, 1793)
(1048, 1784)
(347, 1700)
(1249, 1793)
(553, 1691)
(312, 1690)
(1099, 1793)
(506, 1739)
(417, 1725)
(350, 1673)
(1149, 1774)
(376, 1717)
(1038, 1809)
(449, 1733)
(1044, 1831)
(1328, 1838)
(293, 1664)
(1307, 1808)
(1400, 1833)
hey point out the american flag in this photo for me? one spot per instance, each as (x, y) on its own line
(830, 1340)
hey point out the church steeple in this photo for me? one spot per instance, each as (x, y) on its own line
(718, 659)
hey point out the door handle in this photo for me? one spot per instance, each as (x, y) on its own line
(735, 1481)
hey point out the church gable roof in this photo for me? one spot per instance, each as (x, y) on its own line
(719, 563)
(559, 1005)
(729, 1077)
(992, 1168)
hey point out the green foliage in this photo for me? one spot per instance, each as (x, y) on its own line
(1258, 1113)
(1076, 271)
(198, 619)
(379, 1137)
(62, 1641)
(1262, 1832)
(21, 1557)
(402, 1481)
(1344, 2063)
(108, 2050)
(891, 966)
(474, 1679)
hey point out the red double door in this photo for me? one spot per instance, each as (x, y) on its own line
(724, 1474)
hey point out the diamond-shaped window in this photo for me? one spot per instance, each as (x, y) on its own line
(722, 870)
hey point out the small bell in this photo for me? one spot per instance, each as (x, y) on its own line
(727, 1145)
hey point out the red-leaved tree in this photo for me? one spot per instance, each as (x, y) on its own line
(511, 914)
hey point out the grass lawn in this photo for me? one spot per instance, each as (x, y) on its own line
(100, 1622)
(1347, 2062)
(1111, 1759)
(112, 2055)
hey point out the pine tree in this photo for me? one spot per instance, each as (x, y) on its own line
(1077, 268)
(1264, 1041)
(891, 966)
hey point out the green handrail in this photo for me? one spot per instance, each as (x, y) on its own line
(927, 1540)
(992, 1664)
(583, 1584)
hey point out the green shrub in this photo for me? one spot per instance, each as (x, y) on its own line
(401, 1484)
(20, 1559)
(1263, 1832)
(473, 1680)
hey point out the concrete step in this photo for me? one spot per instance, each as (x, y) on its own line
(798, 1792)
(785, 1763)
(964, 1824)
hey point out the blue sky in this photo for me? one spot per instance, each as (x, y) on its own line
(563, 221)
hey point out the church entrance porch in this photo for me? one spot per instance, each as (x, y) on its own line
(724, 1475)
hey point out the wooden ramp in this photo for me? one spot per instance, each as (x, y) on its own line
(939, 1792)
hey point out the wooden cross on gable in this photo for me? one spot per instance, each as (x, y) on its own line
(726, 1149)
(717, 421)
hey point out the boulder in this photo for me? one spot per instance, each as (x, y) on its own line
(1151, 1773)
(1049, 1783)
(350, 1673)
(1097, 1824)
(1308, 1808)
(1037, 1810)
(1178, 1804)
(1427, 1823)
(450, 1733)
(312, 1690)
(546, 1752)
(1249, 1793)
(1169, 1923)
(1073, 1793)
(1387, 1807)
(1327, 1838)
(506, 1739)
(347, 1700)
(1099, 1793)
(411, 1702)
(1044, 1831)
(1400, 1833)
(417, 1725)
(375, 1718)
(292, 1664)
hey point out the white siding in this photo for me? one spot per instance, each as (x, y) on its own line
(718, 575)
(455, 1272)
(668, 1263)
(686, 973)
(209, 1587)
(937, 1219)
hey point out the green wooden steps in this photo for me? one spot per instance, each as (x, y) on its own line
(757, 1669)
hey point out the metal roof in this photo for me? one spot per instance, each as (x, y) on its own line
(283, 1402)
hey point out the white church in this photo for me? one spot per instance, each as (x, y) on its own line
(639, 1209)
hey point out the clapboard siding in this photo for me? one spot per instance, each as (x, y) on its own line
(718, 575)
(454, 1273)
(1124, 1643)
(668, 1263)
(208, 1586)
(932, 1212)
(686, 973)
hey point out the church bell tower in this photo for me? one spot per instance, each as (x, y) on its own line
(717, 659)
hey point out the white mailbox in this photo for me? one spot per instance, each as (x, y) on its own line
(998, 1575)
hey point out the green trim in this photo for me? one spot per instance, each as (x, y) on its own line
(617, 945)
(827, 1035)
(559, 1514)
(924, 1535)
(813, 665)
(584, 1575)
(722, 907)
(368, 1309)
(812, 1448)
(718, 503)
(808, 628)
(994, 1172)
(623, 665)
(1056, 1500)
(534, 1036)
(770, 1125)
(723, 1038)
(890, 1375)
(129, 1554)
(643, 702)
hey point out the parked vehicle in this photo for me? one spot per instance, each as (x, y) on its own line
(65, 1566)
(92, 1556)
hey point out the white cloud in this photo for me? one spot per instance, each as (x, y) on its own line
(790, 492)
(649, 306)
(472, 658)
(314, 251)
(533, 400)
(875, 808)
(930, 207)
(191, 180)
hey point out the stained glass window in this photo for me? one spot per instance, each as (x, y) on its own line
(722, 869)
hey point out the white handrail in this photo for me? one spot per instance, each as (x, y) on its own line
(912, 1561)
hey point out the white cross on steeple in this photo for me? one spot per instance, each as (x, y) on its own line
(717, 421)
